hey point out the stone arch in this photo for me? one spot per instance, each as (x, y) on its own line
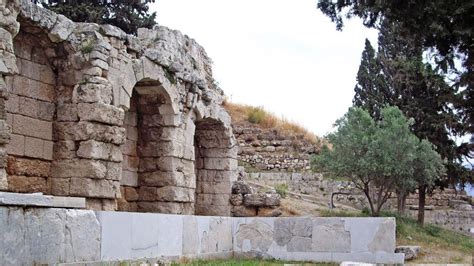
(155, 176)
(216, 165)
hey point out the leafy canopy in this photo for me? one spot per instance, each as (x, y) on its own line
(396, 75)
(444, 27)
(128, 15)
(378, 156)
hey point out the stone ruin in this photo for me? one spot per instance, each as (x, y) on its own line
(131, 123)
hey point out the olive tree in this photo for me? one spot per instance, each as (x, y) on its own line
(379, 157)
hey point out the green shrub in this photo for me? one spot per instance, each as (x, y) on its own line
(282, 189)
(256, 115)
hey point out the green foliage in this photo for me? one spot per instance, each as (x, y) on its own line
(378, 156)
(87, 47)
(442, 28)
(256, 115)
(129, 15)
(282, 190)
(397, 76)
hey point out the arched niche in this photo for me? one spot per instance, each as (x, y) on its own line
(156, 175)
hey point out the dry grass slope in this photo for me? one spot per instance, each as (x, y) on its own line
(241, 113)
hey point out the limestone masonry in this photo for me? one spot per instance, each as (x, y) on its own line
(131, 123)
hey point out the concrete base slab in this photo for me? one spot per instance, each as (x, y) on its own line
(40, 200)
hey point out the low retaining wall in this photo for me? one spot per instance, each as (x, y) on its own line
(52, 235)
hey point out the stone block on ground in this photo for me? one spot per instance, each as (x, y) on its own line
(411, 252)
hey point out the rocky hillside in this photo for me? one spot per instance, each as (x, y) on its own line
(269, 143)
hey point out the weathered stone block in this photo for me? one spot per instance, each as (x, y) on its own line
(64, 149)
(236, 199)
(212, 199)
(92, 93)
(34, 147)
(213, 187)
(130, 193)
(92, 149)
(27, 184)
(48, 147)
(216, 210)
(166, 207)
(161, 179)
(216, 175)
(89, 130)
(32, 88)
(48, 236)
(94, 188)
(27, 126)
(59, 186)
(129, 178)
(3, 180)
(78, 168)
(103, 113)
(261, 199)
(220, 163)
(67, 112)
(16, 146)
(62, 29)
(37, 72)
(336, 231)
(240, 187)
(168, 193)
(28, 167)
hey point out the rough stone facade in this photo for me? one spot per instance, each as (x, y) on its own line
(133, 123)
(263, 149)
(246, 202)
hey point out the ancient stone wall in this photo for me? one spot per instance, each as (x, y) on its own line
(122, 120)
(267, 149)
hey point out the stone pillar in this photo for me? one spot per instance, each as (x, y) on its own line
(166, 174)
(89, 133)
(216, 165)
(9, 27)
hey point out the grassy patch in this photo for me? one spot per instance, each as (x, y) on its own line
(265, 119)
(247, 262)
(410, 233)
(281, 189)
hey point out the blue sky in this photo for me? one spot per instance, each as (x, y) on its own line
(283, 55)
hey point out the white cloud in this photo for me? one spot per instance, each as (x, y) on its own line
(281, 54)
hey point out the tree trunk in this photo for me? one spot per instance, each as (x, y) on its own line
(421, 204)
(369, 199)
(401, 202)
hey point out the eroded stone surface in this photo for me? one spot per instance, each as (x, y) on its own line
(86, 109)
(48, 236)
(256, 235)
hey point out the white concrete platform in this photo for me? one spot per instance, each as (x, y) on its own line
(40, 200)
(58, 235)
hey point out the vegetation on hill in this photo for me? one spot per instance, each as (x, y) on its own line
(129, 15)
(379, 157)
(397, 75)
(258, 116)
